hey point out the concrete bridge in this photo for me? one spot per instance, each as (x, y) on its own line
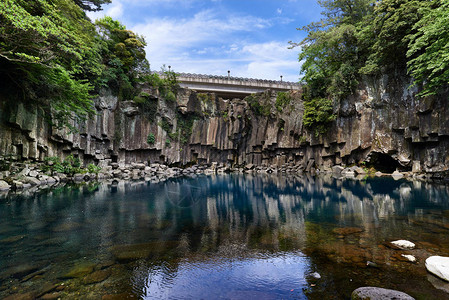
(232, 87)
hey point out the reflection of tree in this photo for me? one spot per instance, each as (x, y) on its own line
(227, 216)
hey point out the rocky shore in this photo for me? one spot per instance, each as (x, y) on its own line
(31, 175)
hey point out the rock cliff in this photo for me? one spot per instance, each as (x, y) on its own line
(384, 125)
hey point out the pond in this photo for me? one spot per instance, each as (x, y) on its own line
(222, 237)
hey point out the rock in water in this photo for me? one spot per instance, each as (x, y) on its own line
(439, 266)
(376, 293)
(79, 271)
(315, 275)
(404, 244)
(410, 258)
(397, 175)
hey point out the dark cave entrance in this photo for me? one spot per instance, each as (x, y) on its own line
(383, 162)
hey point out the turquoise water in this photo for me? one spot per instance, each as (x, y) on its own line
(222, 237)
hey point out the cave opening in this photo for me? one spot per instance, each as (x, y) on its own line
(383, 162)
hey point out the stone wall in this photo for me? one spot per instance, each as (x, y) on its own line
(383, 124)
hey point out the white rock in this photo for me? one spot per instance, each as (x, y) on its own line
(397, 175)
(410, 258)
(33, 173)
(404, 244)
(4, 185)
(315, 275)
(24, 172)
(31, 180)
(439, 266)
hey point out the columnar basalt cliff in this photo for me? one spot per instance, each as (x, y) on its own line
(384, 124)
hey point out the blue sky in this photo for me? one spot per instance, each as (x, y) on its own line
(248, 37)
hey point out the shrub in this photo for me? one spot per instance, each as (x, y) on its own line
(167, 87)
(258, 108)
(318, 113)
(52, 165)
(283, 99)
(70, 165)
(91, 168)
(151, 139)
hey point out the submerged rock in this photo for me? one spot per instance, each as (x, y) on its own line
(125, 253)
(22, 270)
(347, 230)
(438, 283)
(69, 226)
(372, 264)
(439, 266)
(118, 296)
(410, 258)
(376, 293)
(314, 277)
(97, 276)
(79, 271)
(12, 239)
(27, 296)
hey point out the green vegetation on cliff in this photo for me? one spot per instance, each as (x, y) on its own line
(53, 56)
(368, 37)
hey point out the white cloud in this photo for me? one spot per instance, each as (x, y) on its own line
(209, 43)
(114, 10)
(279, 11)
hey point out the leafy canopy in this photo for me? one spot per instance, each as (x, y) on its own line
(373, 37)
(428, 51)
(42, 48)
(53, 56)
(123, 57)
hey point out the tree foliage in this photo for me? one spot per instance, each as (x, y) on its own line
(42, 48)
(123, 56)
(428, 51)
(53, 56)
(167, 84)
(373, 37)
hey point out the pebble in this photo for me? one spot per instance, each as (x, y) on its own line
(410, 258)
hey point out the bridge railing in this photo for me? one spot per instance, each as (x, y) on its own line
(192, 77)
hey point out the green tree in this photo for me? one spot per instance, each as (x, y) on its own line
(392, 22)
(428, 51)
(331, 52)
(42, 48)
(123, 54)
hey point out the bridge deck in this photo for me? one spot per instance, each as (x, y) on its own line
(225, 86)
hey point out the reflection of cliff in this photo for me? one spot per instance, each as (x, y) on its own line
(218, 217)
(253, 210)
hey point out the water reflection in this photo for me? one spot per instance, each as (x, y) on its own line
(228, 236)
